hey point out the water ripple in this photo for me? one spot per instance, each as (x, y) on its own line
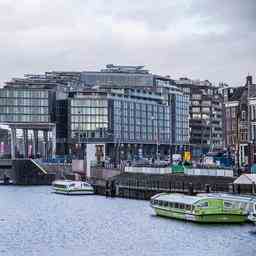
(33, 221)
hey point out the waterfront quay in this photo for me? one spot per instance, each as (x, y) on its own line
(143, 186)
(121, 184)
(35, 221)
(117, 182)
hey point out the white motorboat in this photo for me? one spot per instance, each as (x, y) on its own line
(70, 187)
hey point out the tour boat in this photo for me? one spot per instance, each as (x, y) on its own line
(245, 202)
(197, 208)
(70, 187)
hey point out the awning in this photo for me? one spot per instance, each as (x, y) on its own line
(246, 179)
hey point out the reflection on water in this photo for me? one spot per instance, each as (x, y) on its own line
(33, 221)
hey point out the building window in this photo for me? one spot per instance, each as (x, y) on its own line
(233, 125)
(196, 96)
(206, 103)
(243, 115)
(195, 103)
(233, 112)
(228, 112)
(195, 110)
(207, 110)
(253, 112)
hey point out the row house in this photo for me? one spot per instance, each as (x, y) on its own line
(240, 122)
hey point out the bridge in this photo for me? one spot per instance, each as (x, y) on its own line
(32, 171)
(5, 163)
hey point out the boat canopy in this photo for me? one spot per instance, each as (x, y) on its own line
(233, 197)
(69, 182)
(246, 179)
(179, 198)
(62, 182)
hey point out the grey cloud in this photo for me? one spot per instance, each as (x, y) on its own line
(211, 39)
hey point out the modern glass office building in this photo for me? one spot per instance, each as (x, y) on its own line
(24, 105)
(125, 108)
(88, 117)
(29, 112)
(125, 76)
(133, 119)
(116, 79)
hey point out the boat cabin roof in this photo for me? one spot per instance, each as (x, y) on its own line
(233, 197)
(68, 182)
(179, 198)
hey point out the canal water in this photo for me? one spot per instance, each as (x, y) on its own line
(33, 221)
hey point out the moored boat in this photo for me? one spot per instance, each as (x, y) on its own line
(70, 187)
(197, 209)
(247, 203)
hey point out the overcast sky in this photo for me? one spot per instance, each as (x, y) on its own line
(206, 39)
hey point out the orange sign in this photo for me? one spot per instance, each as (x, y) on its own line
(187, 156)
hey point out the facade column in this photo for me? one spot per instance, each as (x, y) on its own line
(25, 140)
(13, 143)
(54, 141)
(35, 144)
(45, 144)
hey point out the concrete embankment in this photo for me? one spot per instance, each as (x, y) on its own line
(128, 185)
(143, 186)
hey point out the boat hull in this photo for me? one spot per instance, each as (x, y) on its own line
(252, 218)
(207, 218)
(73, 192)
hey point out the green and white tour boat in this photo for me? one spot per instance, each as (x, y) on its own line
(247, 203)
(70, 187)
(197, 208)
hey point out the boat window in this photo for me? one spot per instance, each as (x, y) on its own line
(242, 205)
(187, 207)
(228, 204)
(171, 205)
(203, 204)
(165, 204)
(160, 203)
(59, 186)
(176, 205)
(182, 206)
(255, 207)
(155, 201)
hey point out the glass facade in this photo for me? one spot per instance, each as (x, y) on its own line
(88, 118)
(118, 79)
(141, 121)
(24, 105)
(125, 119)
(181, 109)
